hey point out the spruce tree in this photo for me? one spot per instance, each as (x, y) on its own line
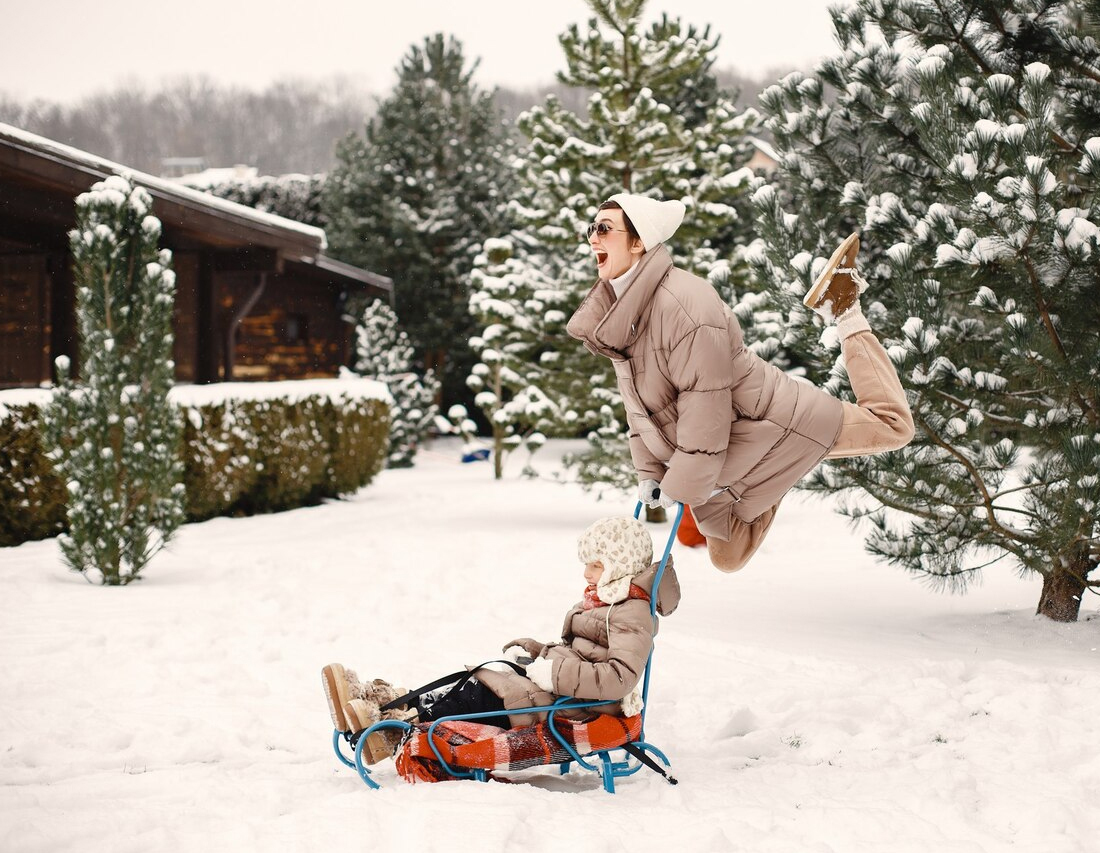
(656, 124)
(414, 195)
(383, 352)
(963, 140)
(113, 436)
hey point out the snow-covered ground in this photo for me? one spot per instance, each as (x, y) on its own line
(817, 702)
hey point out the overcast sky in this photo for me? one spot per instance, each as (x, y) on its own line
(65, 49)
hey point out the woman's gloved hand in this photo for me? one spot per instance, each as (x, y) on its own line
(649, 493)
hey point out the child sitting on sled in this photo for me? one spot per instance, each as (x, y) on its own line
(606, 641)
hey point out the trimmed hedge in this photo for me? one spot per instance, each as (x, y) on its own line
(32, 496)
(241, 456)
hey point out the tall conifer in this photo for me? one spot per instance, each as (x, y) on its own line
(114, 437)
(414, 195)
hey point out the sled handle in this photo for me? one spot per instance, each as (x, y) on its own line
(653, 602)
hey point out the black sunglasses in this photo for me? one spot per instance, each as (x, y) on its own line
(601, 228)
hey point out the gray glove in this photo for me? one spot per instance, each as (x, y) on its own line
(649, 493)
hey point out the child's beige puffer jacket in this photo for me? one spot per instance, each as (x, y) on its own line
(602, 654)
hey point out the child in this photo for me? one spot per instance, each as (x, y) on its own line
(606, 641)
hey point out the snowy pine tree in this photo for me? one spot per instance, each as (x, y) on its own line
(383, 352)
(963, 140)
(500, 283)
(415, 195)
(113, 436)
(656, 124)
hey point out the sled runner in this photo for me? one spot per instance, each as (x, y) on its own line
(463, 747)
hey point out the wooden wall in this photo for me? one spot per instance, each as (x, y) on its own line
(25, 324)
(294, 330)
(185, 317)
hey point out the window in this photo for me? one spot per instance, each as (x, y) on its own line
(296, 330)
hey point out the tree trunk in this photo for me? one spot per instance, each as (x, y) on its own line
(498, 453)
(1063, 588)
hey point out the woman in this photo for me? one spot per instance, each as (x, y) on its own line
(710, 423)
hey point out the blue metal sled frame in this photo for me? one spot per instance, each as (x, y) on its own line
(608, 769)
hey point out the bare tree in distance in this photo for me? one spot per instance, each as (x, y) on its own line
(290, 127)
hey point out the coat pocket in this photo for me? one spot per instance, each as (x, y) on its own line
(715, 516)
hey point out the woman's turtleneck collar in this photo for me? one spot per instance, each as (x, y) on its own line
(622, 282)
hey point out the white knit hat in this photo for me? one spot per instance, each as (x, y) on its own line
(625, 548)
(655, 221)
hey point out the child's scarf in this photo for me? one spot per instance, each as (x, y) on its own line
(592, 597)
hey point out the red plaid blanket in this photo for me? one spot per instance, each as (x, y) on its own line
(470, 745)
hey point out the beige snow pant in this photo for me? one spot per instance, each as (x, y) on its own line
(877, 422)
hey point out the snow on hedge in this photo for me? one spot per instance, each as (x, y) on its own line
(205, 395)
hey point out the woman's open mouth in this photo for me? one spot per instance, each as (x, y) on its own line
(601, 258)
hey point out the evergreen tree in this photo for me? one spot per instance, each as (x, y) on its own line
(964, 141)
(113, 436)
(657, 123)
(414, 196)
(499, 284)
(383, 352)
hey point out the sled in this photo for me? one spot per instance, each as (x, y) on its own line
(460, 747)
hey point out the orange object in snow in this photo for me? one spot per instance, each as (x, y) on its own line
(688, 532)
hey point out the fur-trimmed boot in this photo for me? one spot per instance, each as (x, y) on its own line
(838, 286)
(341, 686)
(363, 712)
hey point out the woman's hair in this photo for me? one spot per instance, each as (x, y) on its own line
(614, 205)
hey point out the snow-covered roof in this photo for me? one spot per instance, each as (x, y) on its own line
(213, 176)
(327, 264)
(100, 167)
(764, 147)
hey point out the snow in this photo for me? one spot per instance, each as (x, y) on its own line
(291, 390)
(191, 396)
(815, 701)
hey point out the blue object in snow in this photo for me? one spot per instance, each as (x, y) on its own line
(478, 455)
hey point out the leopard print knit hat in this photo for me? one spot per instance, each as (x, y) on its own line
(625, 548)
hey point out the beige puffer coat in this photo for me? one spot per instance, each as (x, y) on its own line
(704, 412)
(602, 654)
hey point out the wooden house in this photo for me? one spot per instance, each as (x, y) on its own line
(256, 297)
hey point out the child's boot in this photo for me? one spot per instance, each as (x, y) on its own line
(381, 692)
(361, 714)
(839, 284)
(341, 686)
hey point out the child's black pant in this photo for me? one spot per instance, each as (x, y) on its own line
(470, 697)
